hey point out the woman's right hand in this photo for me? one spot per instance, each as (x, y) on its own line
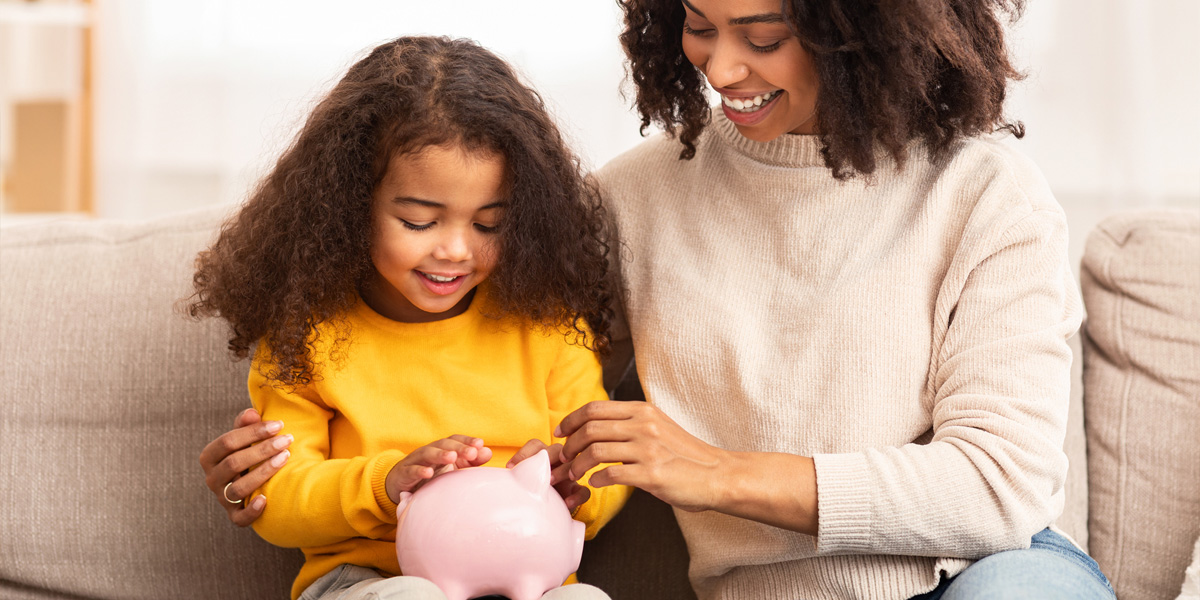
(434, 458)
(226, 459)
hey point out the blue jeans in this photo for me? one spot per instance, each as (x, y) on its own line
(1051, 568)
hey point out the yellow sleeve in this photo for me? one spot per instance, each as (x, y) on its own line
(314, 500)
(574, 381)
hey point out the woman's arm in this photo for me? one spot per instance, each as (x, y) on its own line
(657, 455)
(235, 464)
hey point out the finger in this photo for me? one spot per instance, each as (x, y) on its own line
(577, 497)
(243, 517)
(408, 476)
(592, 411)
(432, 455)
(594, 432)
(485, 454)
(616, 474)
(467, 440)
(237, 439)
(561, 473)
(466, 453)
(238, 462)
(247, 417)
(245, 485)
(605, 452)
(529, 449)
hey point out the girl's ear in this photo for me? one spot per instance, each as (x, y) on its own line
(533, 473)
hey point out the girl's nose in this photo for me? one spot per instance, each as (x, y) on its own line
(454, 246)
(725, 66)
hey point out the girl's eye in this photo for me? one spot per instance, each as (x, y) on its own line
(415, 227)
(764, 49)
(697, 32)
(486, 228)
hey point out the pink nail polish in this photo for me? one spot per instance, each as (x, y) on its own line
(279, 459)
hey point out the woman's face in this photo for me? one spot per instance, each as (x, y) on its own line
(766, 79)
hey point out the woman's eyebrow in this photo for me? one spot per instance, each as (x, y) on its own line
(748, 20)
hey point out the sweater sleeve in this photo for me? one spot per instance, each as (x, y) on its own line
(993, 473)
(574, 381)
(314, 500)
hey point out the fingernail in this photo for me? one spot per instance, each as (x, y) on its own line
(279, 459)
(562, 456)
(280, 443)
(274, 426)
(258, 502)
(558, 431)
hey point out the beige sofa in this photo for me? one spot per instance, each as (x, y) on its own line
(107, 395)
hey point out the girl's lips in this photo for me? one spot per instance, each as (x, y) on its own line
(754, 117)
(442, 288)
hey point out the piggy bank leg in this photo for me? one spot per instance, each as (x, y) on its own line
(528, 588)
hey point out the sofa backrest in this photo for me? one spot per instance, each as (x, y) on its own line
(107, 396)
(1141, 285)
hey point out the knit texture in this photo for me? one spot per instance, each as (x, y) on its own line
(397, 387)
(906, 330)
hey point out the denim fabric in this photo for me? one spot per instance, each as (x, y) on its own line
(1051, 568)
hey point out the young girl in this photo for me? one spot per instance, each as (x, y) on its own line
(423, 271)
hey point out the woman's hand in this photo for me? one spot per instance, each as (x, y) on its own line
(435, 458)
(659, 456)
(572, 493)
(226, 460)
(655, 453)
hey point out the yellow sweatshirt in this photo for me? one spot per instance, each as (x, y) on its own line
(397, 387)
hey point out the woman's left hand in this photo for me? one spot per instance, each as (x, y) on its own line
(654, 452)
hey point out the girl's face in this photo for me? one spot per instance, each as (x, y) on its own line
(766, 79)
(433, 236)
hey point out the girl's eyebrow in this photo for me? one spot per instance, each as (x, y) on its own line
(748, 20)
(432, 204)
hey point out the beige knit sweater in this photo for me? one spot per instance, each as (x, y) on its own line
(909, 333)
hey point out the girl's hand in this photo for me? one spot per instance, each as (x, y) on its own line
(435, 458)
(572, 493)
(655, 453)
(226, 459)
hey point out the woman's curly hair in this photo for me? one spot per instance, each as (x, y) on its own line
(889, 71)
(298, 252)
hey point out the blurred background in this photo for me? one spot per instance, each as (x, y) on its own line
(138, 108)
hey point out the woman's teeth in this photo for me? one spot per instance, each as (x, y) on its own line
(749, 105)
(439, 278)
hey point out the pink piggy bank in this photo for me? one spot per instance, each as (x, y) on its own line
(486, 530)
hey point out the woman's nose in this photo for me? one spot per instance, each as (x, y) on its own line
(726, 65)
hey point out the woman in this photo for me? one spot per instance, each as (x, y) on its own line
(849, 305)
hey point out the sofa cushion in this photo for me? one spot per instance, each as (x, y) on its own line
(107, 395)
(1141, 285)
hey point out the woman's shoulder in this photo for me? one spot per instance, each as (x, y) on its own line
(1001, 172)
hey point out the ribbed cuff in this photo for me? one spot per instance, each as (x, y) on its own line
(379, 472)
(844, 513)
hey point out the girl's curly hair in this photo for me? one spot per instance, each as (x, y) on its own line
(297, 254)
(889, 71)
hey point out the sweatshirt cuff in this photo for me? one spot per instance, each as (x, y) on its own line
(844, 513)
(379, 472)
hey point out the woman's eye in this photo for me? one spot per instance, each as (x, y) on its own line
(416, 227)
(690, 31)
(487, 228)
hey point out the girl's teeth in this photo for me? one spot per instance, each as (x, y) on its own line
(439, 278)
(749, 104)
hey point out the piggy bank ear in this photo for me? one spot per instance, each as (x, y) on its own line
(533, 473)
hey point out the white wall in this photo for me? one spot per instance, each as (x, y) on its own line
(194, 100)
